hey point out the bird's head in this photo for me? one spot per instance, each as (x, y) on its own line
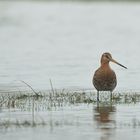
(106, 58)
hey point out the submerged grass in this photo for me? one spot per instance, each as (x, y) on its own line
(51, 100)
(61, 98)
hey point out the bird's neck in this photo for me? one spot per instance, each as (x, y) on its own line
(105, 65)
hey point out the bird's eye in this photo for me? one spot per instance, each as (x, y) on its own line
(107, 56)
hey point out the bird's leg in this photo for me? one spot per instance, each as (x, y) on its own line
(111, 95)
(97, 96)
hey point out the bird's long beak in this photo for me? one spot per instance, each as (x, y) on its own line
(118, 63)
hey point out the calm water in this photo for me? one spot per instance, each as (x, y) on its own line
(77, 122)
(64, 41)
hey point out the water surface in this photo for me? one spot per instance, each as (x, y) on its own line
(64, 41)
(74, 122)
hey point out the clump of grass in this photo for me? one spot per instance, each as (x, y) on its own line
(59, 98)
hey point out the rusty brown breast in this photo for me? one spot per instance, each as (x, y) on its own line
(104, 79)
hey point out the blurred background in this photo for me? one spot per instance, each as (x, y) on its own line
(63, 40)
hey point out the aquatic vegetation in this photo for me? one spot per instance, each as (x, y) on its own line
(32, 103)
(60, 98)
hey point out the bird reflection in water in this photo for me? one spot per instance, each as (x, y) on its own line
(103, 114)
(104, 117)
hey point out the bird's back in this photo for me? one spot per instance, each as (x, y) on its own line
(104, 79)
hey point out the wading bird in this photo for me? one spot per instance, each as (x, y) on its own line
(104, 78)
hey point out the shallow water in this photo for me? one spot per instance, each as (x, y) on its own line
(69, 116)
(74, 122)
(64, 41)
